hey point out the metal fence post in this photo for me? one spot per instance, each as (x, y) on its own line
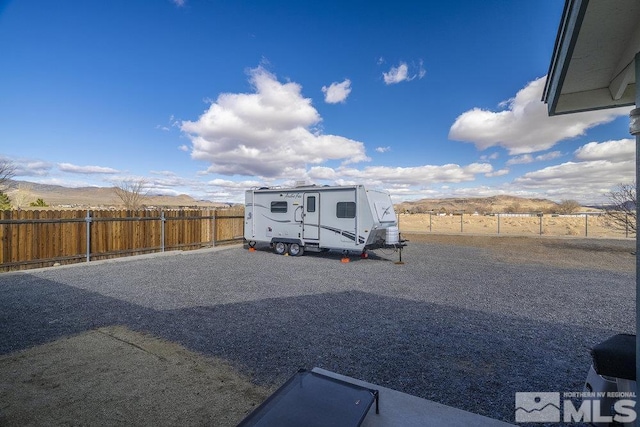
(430, 216)
(88, 238)
(586, 225)
(540, 216)
(162, 222)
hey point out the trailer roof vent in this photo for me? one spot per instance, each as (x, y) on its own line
(301, 183)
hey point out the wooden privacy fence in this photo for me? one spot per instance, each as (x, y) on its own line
(40, 238)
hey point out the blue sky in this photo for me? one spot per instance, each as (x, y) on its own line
(209, 98)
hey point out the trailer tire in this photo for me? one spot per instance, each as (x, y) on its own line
(281, 248)
(296, 250)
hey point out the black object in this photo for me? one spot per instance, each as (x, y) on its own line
(310, 399)
(616, 357)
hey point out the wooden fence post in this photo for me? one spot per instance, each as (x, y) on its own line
(88, 239)
(214, 225)
(162, 222)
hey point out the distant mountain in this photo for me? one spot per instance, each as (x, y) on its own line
(482, 205)
(93, 197)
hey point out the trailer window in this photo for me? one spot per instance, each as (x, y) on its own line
(279, 207)
(311, 203)
(346, 210)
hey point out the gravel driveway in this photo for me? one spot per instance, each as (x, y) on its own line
(453, 324)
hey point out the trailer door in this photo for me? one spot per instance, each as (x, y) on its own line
(311, 216)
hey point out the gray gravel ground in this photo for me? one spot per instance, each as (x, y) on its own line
(451, 325)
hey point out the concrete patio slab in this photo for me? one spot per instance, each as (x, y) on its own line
(401, 409)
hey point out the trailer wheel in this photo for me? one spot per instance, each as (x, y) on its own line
(296, 250)
(280, 248)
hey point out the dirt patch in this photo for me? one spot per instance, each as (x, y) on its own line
(114, 376)
(601, 254)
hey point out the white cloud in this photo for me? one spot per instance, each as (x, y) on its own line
(383, 149)
(179, 3)
(587, 181)
(32, 168)
(491, 156)
(598, 168)
(322, 173)
(234, 185)
(500, 172)
(401, 73)
(520, 160)
(418, 175)
(337, 92)
(525, 127)
(615, 151)
(164, 173)
(421, 71)
(70, 168)
(266, 133)
(183, 147)
(396, 74)
(528, 158)
(548, 156)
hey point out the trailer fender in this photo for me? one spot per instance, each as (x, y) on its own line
(286, 240)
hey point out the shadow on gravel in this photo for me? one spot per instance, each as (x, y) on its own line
(468, 359)
(377, 255)
(38, 311)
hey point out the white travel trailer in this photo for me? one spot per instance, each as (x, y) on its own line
(317, 218)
